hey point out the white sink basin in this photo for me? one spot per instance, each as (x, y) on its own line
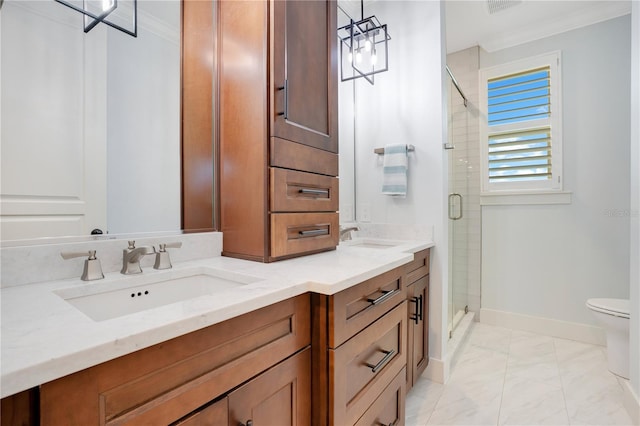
(377, 243)
(131, 294)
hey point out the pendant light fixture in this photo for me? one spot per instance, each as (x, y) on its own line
(96, 11)
(363, 48)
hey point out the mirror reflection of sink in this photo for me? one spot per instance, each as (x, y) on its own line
(131, 294)
(377, 243)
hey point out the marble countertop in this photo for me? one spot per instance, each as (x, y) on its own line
(44, 337)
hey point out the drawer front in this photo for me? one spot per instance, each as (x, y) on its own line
(353, 309)
(418, 267)
(297, 233)
(364, 366)
(167, 381)
(389, 407)
(293, 191)
(291, 155)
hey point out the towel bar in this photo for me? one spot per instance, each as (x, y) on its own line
(380, 151)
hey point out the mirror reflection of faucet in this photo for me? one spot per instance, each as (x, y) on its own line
(131, 258)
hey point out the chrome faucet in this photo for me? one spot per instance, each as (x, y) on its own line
(345, 234)
(131, 258)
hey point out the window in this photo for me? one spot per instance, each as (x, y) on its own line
(522, 134)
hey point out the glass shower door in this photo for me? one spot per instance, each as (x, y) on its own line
(457, 149)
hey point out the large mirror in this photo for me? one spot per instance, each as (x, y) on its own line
(90, 128)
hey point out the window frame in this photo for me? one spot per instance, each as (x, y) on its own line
(553, 60)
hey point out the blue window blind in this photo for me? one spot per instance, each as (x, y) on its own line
(518, 152)
(520, 97)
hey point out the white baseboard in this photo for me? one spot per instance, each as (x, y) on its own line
(437, 371)
(545, 326)
(631, 403)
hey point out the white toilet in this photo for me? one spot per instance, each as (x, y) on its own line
(613, 315)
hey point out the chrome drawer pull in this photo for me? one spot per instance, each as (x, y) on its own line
(385, 295)
(314, 191)
(383, 361)
(314, 232)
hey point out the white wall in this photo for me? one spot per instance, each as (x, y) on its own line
(546, 260)
(406, 106)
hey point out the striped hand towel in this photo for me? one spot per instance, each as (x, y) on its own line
(394, 170)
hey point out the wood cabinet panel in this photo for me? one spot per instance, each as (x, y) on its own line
(389, 407)
(296, 156)
(165, 382)
(243, 128)
(216, 414)
(304, 79)
(293, 191)
(21, 409)
(197, 116)
(294, 233)
(418, 267)
(279, 396)
(418, 327)
(353, 309)
(362, 368)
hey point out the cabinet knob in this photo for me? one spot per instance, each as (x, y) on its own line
(248, 423)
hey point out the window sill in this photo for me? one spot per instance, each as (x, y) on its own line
(523, 198)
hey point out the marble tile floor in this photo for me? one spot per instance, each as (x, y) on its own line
(512, 377)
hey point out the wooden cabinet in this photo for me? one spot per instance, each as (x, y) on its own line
(359, 343)
(179, 379)
(417, 278)
(277, 127)
(279, 396)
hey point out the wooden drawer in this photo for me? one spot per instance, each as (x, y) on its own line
(388, 409)
(293, 191)
(418, 267)
(364, 366)
(295, 233)
(165, 382)
(291, 155)
(353, 309)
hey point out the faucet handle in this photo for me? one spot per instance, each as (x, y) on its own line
(132, 244)
(162, 256)
(92, 268)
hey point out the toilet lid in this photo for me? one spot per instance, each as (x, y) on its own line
(617, 307)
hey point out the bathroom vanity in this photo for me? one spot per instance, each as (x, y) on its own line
(323, 339)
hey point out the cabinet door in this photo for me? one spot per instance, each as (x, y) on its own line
(304, 101)
(418, 329)
(280, 396)
(216, 414)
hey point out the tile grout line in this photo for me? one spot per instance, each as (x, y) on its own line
(504, 378)
(564, 395)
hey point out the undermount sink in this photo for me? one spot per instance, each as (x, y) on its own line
(377, 243)
(131, 294)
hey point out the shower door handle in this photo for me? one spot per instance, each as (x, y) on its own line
(452, 198)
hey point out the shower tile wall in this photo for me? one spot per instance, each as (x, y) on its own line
(464, 65)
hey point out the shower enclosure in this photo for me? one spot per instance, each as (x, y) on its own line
(458, 149)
